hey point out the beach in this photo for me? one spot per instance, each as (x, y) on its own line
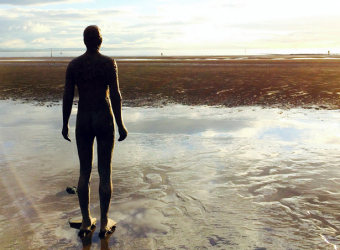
(222, 153)
(268, 81)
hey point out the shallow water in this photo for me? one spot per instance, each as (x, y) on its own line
(185, 178)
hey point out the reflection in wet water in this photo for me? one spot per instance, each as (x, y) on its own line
(196, 178)
(104, 242)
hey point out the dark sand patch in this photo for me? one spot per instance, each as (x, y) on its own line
(226, 81)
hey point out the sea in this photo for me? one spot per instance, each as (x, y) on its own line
(59, 52)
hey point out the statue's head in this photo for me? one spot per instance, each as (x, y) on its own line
(92, 37)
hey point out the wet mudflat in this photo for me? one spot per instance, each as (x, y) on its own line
(267, 81)
(187, 177)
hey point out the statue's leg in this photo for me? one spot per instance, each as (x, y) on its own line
(105, 144)
(85, 139)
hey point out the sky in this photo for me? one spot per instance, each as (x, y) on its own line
(172, 25)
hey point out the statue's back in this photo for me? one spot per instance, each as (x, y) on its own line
(92, 73)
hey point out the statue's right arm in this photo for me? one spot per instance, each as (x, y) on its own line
(116, 101)
(67, 102)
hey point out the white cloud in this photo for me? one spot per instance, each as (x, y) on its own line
(41, 40)
(39, 28)
(15, 43)
(39, 2)
(172, 25)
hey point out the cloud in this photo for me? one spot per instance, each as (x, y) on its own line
(55, 15)
(41, 40)
(158, 24)
(39, 2)
(40, 28)
(15, 43)
(65, 26)
(170, 25)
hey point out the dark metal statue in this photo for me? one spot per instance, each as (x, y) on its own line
(96, 77)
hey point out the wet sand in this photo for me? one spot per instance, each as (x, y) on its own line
(229, 175)
(195, 177)
(286, 81)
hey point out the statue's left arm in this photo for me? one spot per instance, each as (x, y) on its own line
(67, 102)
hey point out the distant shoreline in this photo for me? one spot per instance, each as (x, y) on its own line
(190, 57)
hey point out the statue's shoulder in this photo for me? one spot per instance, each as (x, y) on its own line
(76, 61)
(109, 62)
(108, 59)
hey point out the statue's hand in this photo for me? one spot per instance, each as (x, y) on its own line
(64, 132)
(122, 133)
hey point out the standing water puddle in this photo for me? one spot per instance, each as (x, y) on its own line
(187, 177)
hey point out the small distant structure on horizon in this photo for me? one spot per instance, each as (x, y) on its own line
(329, 52)
(161, 54)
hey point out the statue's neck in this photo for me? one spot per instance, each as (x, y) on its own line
(92, 51)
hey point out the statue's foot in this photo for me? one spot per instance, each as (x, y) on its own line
(86, 228)
(107, 228)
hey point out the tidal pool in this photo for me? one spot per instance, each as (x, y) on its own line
(187, 177)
